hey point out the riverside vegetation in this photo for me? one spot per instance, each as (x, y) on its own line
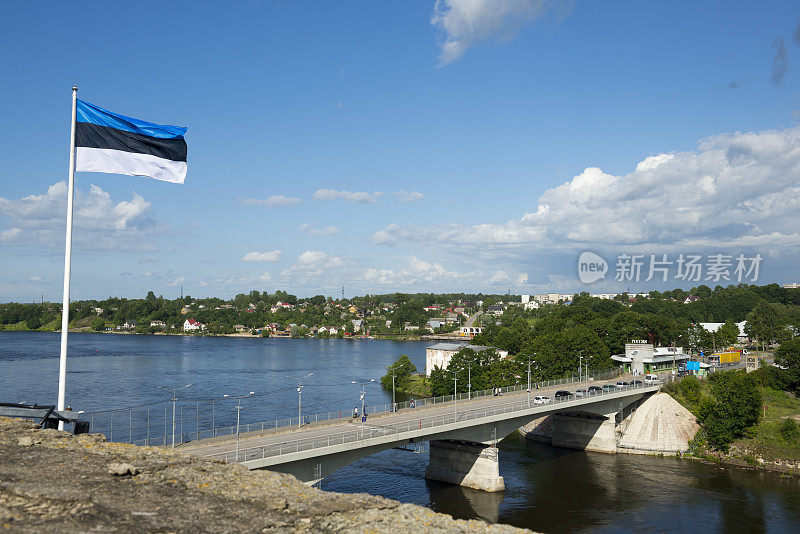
(555, 337)
(749, 417)
(771, 313)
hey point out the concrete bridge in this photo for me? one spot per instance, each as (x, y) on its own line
(463, 435)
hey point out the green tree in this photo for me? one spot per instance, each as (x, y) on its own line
(735, 408)
(98, 324)
(762, 323)
(402, 369)
(788, 354)
(727, 334)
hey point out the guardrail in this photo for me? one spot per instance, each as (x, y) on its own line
(340, 438)
(196, 420)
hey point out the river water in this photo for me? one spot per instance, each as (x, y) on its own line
(547, 489)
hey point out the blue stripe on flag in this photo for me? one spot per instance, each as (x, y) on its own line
(102, 117)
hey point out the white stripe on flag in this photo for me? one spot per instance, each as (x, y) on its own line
(130, 163)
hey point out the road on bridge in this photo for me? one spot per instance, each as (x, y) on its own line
(286, 438)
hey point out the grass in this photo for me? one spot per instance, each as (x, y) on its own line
(763, 440)
(21, 326)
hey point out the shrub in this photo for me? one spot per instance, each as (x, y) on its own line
(737, 404)
(690, 388)
(790, 431)
(773, 377)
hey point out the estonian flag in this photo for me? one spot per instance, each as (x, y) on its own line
(108, 142)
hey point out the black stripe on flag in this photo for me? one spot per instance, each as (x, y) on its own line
(95, 136)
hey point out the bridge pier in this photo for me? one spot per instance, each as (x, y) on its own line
(469, 464)
(585, 431)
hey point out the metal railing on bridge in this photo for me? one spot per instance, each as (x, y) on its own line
(467, 413)
(203, 419)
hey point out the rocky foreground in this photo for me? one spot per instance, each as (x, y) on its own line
(52, 481)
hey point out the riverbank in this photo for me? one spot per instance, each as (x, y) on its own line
(53, 481)
(763, 446)
(87, 330)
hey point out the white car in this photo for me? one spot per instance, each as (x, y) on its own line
(539, 399)
(651, 380)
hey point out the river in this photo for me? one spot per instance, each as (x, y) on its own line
(547, 489)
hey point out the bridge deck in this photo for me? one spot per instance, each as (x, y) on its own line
(428, 420)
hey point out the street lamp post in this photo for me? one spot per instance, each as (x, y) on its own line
(174, 400)
(238, 410)
(469, 378)
(300, 397)
(529, 382)
(455, 395)
(362, 383)
(393, 401)
(673, 359)
(529, 378)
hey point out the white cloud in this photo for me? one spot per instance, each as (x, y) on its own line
(736, 190)
(311, 229)
(36, 279)
(10, 235)
(522, 279)
(263, 257)
(99, 222)
(176, 282)
(405, 196)
(148, 259)
(349, 196)
(316, 269)
(499, 277)
(271, 202)
(415, 273)
(465, 23)
(317, 259)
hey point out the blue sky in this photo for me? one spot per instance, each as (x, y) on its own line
(467, 145)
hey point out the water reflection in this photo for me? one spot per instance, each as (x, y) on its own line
(465, 502)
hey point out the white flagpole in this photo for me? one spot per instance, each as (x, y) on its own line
(62, 366)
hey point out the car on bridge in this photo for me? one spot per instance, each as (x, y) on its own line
(651, 380)
(563, 393)
(580, 392)
(607, 388)
(622, 384)
(541, 399)
(637, 383)
(595, 390)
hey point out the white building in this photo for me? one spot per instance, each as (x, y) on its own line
(440, 354)
(605, 296)
(470, 331)
(713, 327)
(191, 325)
(551, 298)
(642, 357)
